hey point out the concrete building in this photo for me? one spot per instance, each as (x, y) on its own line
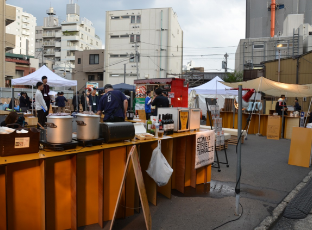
(152, 37)
(89, 67)
(251, 52)
(24, 30)
(60, 41)
(258, 16)
(7, 41)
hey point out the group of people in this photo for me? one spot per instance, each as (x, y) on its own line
(160, 100)
(281, 106)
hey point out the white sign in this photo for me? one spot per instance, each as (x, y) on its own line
(21, 142)
(205, 146)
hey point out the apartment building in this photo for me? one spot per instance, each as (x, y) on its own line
(24, 30)
(89, 67)
(58, 41)
(7, 42)
(148, 41)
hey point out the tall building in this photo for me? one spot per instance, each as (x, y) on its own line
(58, 42)
(258, 15)
(24, 30)
(148, 41)
(7, 42)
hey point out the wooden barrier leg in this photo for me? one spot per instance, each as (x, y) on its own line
(179, 169)
(3, 209)
(101, 189)
(192, 140)
(166, 149)
(74, 220)
(42, 191)
(130, 188)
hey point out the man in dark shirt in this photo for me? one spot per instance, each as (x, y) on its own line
(114, 103)
(159, 101)
(93, 100)
(45, 92)
(281, 105)
(74, 102)
(23, 101)
(297, 106)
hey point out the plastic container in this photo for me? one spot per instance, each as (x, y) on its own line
(156, 129)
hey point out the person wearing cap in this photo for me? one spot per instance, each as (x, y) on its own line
(114, 104)
(23, 101)
(281, 105)
(74, 102)
(148, 104)
(159, 101)
(93, 100)
(61, 103)
(41, 106)
(297, 107)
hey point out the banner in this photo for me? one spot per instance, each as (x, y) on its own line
(205, 146)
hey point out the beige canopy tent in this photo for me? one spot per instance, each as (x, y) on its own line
(274, 88)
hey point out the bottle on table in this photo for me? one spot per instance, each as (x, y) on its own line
(171, 124)
(164, 122)
(160, 123)
(149, 126)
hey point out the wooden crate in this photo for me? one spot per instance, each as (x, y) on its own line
(233, 140)
(31, 121)
(221, 147)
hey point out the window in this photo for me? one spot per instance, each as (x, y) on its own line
(100, 77)
(131, 38)
(282, 45)
(89, 30)
(38, 50)
(86, 29)
(115, 17)
(126, 16)
(131, 58)
(114, 36)
(93, 59)
(138, 19)
(97, 43)
(91, 77)
(91, 42)
(81, 36)
(38, 40)
(132, 19)
(79, 60)
(258, 46)
(81, 46)
(124, 36)
(138, 38)
(138, 57)
(114, 55)
(123, 55)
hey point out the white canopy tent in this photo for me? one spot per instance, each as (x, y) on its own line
(54, 80)
(213, 89)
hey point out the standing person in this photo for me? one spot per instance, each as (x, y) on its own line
(93, 100)
(28, 101)
(148, 105)
(23, 103)
(281, 105)
(74, 102)
(297, 106)
(40, 104)
(61, 103)
(45, 92)
(128, 96)
(159, 101)
(114, 104)
(83, 101)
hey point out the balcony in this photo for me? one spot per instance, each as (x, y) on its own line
(24, 32)
(58, 34)
(10, 68)
(70, 28)
(70, 58)
(10, 14)
(48, 43)
(75, 47)
(57, 54)
(48, 35)
(58, 44)
(49, 53)
(25, 20)
(25, 27)
(72, 38)
(9, 42)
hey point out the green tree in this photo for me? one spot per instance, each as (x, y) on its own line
(234, 77)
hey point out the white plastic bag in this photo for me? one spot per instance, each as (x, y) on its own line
(309, 125)
(158, 168)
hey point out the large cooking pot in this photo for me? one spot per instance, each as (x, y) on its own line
(59, 129)
(88, 126)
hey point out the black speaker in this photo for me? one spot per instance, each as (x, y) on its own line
(116, 131)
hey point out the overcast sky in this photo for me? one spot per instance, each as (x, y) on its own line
(205, 23)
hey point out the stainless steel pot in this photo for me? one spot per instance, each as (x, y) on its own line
(88, 126)
(59, 129)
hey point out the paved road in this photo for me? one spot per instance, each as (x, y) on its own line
(266, 180)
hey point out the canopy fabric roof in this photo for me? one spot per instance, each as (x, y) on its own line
(274, 88)
(54, 80)
(214, 86)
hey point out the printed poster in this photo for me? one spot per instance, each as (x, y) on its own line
(205, 146)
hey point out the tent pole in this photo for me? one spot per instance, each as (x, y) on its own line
(12, 100)
(77, 105)
(32, 94)
(305, 123)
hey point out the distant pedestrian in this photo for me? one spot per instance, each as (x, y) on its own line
(83, 101)
(41, 106)
(61, 103)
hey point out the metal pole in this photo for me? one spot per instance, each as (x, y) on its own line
(12, 100)
(279, 66)
(233, 112)
(125, 73)
(77, 104)
(282, 134)
(305, 122)
(137, 59)
(239, 133)
(32, 104)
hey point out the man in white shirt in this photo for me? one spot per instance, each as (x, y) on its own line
(41, 106)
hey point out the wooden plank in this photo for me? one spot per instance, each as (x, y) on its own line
(42, 194)
(114, 167)
(146, 150)
(141, 188)
(290, 123)
(58, 192)
(101, 190)
(130, 188)
(3, 214)
(274, 127)
(208, 176)
(188, 162)
(87, 188)
(166, 149)
(192, 140)
(174, 158)
(200, 175)
(24, 195)
(73, 185)
(180, 163)
(300, 147)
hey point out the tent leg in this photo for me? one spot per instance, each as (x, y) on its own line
(32, 104)
(77, 105)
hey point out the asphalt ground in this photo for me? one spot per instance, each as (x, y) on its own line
(265, 181)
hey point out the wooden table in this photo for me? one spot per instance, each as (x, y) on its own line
(68, 189)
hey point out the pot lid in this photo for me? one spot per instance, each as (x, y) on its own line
(86, 115)
(59, 117)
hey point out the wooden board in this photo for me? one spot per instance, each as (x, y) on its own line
(142, 115)
(130, 187)
(133, 156)
(274, 127)
(3, 217)
(179, 164)
(290, 123)
(300, 147)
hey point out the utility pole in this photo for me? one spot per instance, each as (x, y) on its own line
(226, 61)
(137, 58)
(125, 73)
